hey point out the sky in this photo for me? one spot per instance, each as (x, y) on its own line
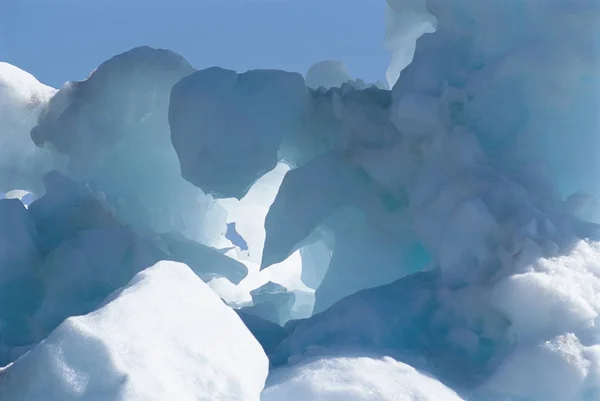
(60, 40)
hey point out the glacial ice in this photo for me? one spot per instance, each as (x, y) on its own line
(327, 74)
(224, 137)
(22, 99)
(166, 335)
(448, 223)
(113, 128)
(64, 254)
(271, 302)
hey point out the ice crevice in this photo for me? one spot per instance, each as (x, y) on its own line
(436, 240)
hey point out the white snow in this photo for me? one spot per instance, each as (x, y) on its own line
(354, 379)
(22, 99)
(166, 336)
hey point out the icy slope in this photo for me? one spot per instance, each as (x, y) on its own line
(165, 336)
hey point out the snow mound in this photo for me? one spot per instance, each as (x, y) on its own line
(22, 99)
(166, 336)
(356, 379)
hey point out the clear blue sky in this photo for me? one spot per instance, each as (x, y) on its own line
(59, 40)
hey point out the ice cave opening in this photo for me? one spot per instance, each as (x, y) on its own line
(244, 239)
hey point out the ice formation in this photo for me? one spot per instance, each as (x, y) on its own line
(166, 335)
(65, 253)
(227, 127)
(328, 74)
(22, 98)
(113, 128)
(438, 240)
(271, 302)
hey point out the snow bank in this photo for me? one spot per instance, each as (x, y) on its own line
(166, 336)
(22, 99)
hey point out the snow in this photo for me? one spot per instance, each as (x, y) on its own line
(448, 223)
(356, 379)
(227, 127)
(22, 99)
(166, 335)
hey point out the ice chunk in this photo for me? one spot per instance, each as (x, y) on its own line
(315, 262)
(205, 261)
(314, 199)
(68, 251)
(406, 21)
(22, 99)
(356, 379)
(84, 269)
(364, 256)
(267, 333)
(113, 127)
(327, 74)
(307, 196)
(165, 336)
(227, 127)
(271, 302)
(68, 208)
(19, 252)
(410, 317)
(20, 257)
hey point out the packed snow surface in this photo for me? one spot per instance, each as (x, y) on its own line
(165, 336)
(355, 379)
(447, 227)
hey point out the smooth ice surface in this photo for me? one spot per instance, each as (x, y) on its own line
(165, 336)
(227, 127)
(22, 99)
(356, 379)
(113, 128)
(271, 302)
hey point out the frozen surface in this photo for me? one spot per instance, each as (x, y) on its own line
(113, 128)
(406, 21)
(249, 216)
(271, 302)
(22, 99)
(166, 335)
(68, 251)
(327, 74)
(449, 223)
(334, 74)
(356, 379)
(227, 127)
